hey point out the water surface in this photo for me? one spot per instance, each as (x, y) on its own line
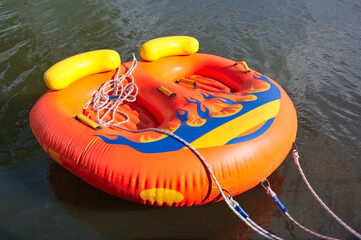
(311, 48)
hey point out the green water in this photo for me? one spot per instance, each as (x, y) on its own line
(311, 48)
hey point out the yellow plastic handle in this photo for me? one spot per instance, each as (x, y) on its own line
(167, 92)
(63, 73)
(83, 119)
(168, 46)
(187, 81)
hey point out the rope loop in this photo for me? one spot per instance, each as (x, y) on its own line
(111, 95)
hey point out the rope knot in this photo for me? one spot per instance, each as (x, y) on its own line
(111, 95)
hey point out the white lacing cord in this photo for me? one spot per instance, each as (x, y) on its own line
(297, 163)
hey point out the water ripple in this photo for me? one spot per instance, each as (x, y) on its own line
(18, 81)
(5, 55)
(312, 48)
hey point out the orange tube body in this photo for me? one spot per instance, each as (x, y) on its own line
(243, 123)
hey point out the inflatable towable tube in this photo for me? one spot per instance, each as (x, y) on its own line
(242, 122)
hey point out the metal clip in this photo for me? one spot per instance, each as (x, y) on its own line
(295, 154)
(265, 182)
(266, 185)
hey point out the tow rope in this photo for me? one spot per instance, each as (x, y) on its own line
(296, 157)
(113, 93)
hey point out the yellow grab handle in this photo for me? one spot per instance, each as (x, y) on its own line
(63, 73)
(187, 81)
(83, 119)
(168, 46)
(167, 92)
(246, 68)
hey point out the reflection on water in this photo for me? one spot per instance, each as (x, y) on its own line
(312, 48)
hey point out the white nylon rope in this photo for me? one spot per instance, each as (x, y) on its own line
(272, 194)
(309, 230)
(232, 204)
(285, 210)
(297, 163)
(103, 101)
(113, 93)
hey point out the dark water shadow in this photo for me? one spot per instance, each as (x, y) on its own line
(70, 189)
(120, 219)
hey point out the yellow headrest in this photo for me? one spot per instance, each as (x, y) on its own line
(168, 46)
(63, 73)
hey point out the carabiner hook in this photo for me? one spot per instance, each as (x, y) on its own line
(265, 184)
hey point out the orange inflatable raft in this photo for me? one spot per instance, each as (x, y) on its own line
(242, 122)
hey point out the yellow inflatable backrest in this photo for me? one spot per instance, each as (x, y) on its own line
(63, 73)
(168, 46)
